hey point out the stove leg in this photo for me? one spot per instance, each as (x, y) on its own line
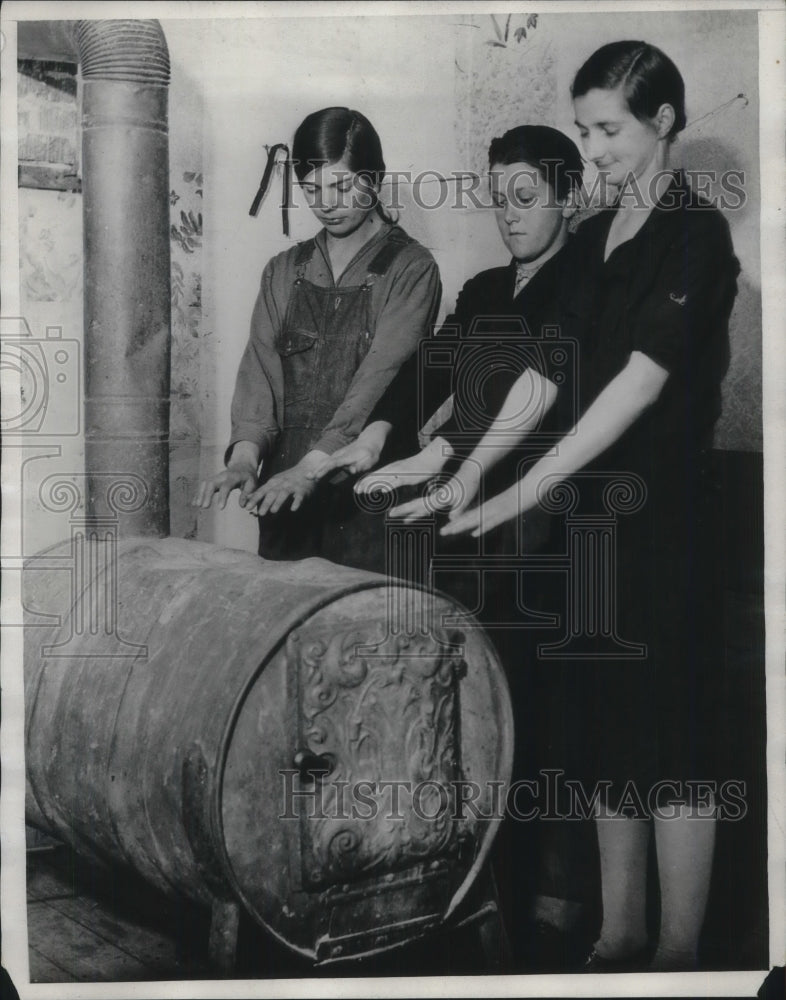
(491, 930)
(222, 945)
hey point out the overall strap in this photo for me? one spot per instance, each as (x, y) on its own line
(303, 254)
(394, 244)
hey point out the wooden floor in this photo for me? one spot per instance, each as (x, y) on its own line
(88, 924)
(92, 926)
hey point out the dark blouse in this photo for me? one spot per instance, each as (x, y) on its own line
(480, 350)
(667, 292)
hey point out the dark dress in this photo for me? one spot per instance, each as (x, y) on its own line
(482, 348)
(477, 354)
(668, 293)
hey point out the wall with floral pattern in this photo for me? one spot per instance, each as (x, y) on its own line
(185, 428)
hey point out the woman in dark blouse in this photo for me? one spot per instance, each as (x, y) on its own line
(655, 283)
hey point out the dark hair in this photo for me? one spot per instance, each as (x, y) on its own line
(334, 134)
(548, 150)
(647, 75)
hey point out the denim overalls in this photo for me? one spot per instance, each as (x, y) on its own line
(326, 334)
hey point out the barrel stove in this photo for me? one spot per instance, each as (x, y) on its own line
(320, 746)
(271, 742)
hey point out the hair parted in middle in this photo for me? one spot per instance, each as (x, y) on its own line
(332, 134)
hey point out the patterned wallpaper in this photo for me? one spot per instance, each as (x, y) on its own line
(50, 249)
(504, 75)
(185, 201)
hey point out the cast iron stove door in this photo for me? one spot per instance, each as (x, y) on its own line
(377, 723)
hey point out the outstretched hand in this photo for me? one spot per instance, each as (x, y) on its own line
(243, 478)
(453, 495)
(358, 456)
(480, 520)
(407, 471)
(291, 484)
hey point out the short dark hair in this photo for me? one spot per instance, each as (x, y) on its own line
(647, 75)
(548, 150)
(333, 134)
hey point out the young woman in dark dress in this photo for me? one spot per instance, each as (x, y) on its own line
(655, 284)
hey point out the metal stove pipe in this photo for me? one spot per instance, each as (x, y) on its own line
(125, 204)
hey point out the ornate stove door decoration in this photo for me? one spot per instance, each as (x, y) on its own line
(379, 747)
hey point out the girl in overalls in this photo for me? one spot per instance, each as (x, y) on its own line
(335, 319)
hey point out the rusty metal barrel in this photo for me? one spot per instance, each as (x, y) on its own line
(265, 733)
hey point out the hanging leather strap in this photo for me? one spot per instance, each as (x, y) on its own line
(265, 183)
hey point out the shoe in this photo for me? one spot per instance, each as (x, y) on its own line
(675, 963)
(550, 949)
(635, 962)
